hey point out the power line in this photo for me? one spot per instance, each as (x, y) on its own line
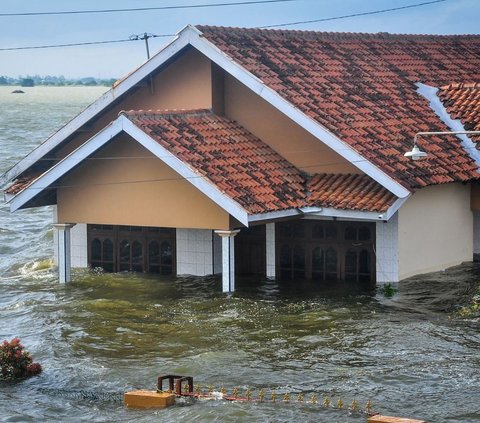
(353, 15)
(142, 9)
(88, 43)
(146, 36)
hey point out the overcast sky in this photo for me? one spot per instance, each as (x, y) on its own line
(115, 60)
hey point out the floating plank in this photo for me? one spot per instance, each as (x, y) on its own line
(389, 419)
(149, 399)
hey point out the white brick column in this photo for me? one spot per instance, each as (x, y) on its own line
(62, 236)
(270, 250)
(228, 259)
(386, 247)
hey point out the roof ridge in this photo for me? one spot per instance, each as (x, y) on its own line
(332, 34)
(167, 112)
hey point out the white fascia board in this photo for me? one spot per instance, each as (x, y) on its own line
(310, 125)
(346, 214)
(177, 44)
(65, 165)
(259, 217)
(430, 93)
(198, 181)
(330, 213)
(394, 208)
(114, 128)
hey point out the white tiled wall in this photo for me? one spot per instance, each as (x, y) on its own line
(78, 236)
(79, 252)
(387, 250)
(195, 252)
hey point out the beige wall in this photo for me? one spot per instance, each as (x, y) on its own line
(435, 229)
(184, 84)
(99, 192)
(282, 134)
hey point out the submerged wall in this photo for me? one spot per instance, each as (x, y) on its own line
(435, 229)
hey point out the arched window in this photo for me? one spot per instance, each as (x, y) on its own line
(331, 264)
(124, 256)
(166, 258)
(154, 257)
(351, 267)
(137, 257)
(318, 264)
(365, 266)
(298, 262)
(96, 249)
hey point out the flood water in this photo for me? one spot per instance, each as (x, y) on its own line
(412, 355)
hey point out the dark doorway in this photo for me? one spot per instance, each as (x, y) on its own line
(325, 250)
(250, 251)
(132, 249)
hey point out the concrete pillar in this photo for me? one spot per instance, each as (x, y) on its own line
(228, 259)
(62, 235)
(270, 250)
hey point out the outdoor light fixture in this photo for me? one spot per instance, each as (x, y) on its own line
(417, 154)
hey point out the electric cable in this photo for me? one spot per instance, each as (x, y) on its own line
(143, 9)
(372, 12)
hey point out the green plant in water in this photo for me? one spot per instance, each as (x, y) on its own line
(471, 310)
(388, 290)
(15, 362)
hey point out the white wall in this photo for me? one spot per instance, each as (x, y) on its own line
(195, 252)
(386, 248)
(435, 229)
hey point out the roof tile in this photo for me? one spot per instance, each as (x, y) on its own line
(362, 88)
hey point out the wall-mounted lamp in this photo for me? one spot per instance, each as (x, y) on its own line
(417, 154)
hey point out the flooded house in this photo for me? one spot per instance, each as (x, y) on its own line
(271, 152)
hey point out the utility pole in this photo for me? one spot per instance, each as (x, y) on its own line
(145, 36)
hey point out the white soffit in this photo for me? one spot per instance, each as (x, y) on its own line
(430, 93)
(114, 128)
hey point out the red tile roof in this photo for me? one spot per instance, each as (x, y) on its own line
(462, 102)
(362, 88)
(248, 170)
(237, 162)
(21, 183)
(351, 191)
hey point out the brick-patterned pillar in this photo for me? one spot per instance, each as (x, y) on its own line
(62, 235)
(228, 259)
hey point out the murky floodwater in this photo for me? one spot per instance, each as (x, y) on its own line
(411, 355)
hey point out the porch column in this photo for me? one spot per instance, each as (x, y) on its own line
(62, 234)
(228, 259)
(270, 250)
